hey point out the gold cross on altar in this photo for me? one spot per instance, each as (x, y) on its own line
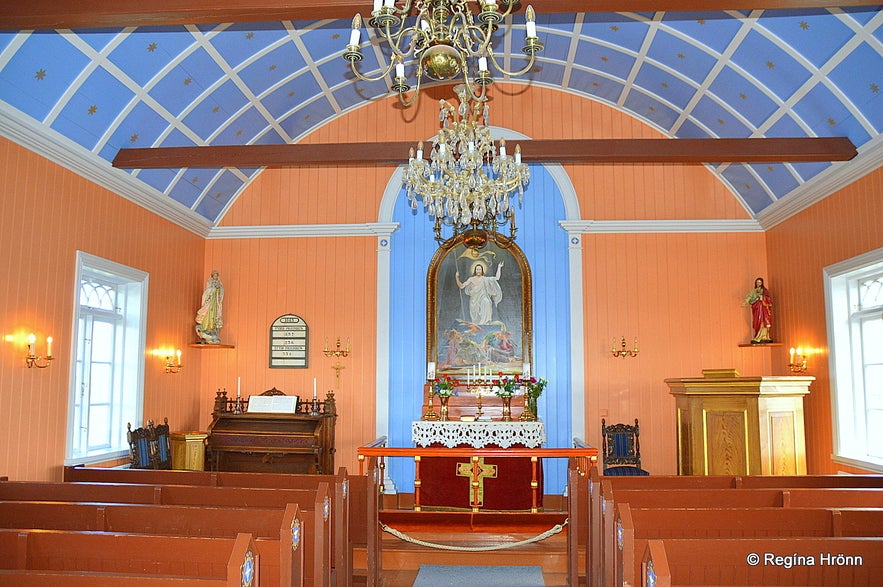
(478, 471)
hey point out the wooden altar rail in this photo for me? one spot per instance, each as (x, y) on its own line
(377, 451)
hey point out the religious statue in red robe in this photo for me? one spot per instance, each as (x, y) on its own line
(761, 312)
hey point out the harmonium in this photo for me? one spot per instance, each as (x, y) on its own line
(299, 439)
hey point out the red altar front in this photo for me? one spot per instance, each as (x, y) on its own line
(503, 483)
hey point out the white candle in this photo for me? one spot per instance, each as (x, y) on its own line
(177, 354)
(400, 69)
(354, 36)
(525, 370)
(792, 356)
(502, 148)
(377, 4)
(32, 338)
(531, 28)
(482, 64)
(48, 346)
(238, 386)
(314, 388)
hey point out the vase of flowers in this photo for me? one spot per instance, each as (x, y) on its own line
(505, 388)
(444, 387)
(533, 389)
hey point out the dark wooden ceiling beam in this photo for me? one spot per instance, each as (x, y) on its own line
(74, 14)
(771, 150)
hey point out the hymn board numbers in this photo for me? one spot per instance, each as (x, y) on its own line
(289, 342)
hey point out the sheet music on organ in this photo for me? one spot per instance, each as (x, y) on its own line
(272, 404)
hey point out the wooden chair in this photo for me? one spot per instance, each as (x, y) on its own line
(150, 447)
(160, 445)
(621, 449)
(139, 447)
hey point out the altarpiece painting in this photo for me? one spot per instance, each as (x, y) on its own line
(479, 308)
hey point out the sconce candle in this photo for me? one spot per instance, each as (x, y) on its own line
(314, 389)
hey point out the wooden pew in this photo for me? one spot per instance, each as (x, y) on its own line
(832, 497)
(595, 552)
(281, 561)
(226, 562)
(315, 507)
(693, 492)
(341, 526)
(635, 526)
(731, 561)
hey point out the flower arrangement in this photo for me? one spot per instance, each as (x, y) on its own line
(445, 386)
(506, 386)
(535, 387)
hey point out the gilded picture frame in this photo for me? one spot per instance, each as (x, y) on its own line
(478, 309)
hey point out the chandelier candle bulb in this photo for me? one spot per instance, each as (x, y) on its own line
(49, 348)
(32, 338)
(356, 33)
(482, 64)
(530, 25)
(400, 69)
(377, 5)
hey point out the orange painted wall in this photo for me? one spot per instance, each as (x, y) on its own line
(330, 283)
(48, 213)
(838, 228)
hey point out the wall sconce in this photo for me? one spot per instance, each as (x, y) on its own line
(337, 351)
(32, 359)
(623, 351)
(797, 363)
(172, 359)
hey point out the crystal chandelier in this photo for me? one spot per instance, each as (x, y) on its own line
(467, 181)
(444, 36)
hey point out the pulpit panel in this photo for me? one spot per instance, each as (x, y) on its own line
(726, 432)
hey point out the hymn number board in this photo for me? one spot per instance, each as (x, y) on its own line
(289, 342)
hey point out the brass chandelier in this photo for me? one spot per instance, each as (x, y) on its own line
(443, 37)
(467, 180)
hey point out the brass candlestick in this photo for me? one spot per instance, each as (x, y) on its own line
(430, 414)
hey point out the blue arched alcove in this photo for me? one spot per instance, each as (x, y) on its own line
(546, 247)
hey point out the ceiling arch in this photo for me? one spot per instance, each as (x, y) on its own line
(721, 74)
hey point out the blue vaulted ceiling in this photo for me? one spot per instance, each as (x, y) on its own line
(809, 73)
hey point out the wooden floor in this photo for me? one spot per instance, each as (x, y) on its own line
(401, 559)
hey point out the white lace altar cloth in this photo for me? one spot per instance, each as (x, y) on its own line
(478, 434)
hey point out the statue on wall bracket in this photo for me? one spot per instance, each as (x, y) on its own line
(210, 315)
(479, 306)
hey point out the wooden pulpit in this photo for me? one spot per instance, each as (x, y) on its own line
(732, 425)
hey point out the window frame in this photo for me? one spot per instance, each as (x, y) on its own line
(846, 363)
(128, 381)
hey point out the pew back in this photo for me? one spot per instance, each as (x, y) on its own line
(634, 527)
(835, 562)
(231, 559)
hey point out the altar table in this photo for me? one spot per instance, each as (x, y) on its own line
(504, 484)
